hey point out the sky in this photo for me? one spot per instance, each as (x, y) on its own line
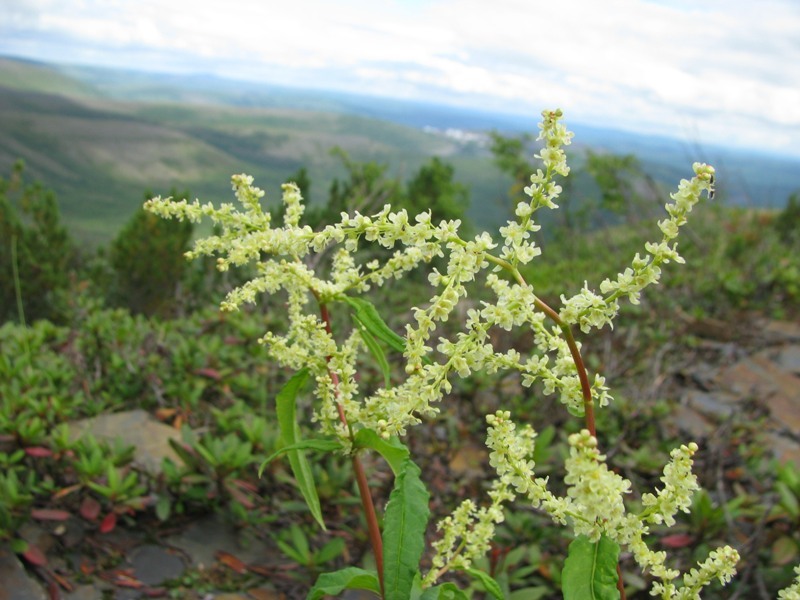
(715, 72)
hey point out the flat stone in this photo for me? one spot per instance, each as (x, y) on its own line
(717, 404)
(85, 592)
(15, 583)
(788, 358)
(785, 449)
(785, 330)
(153, 565)
(133, 428)
(689, 420)
(203, 539)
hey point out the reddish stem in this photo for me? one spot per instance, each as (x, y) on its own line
(373, 528)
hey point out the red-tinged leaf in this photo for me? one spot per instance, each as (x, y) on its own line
(52, 590)
(267, 572)
(230, 561)
(165, 414)
(90, 508)
(62, 581)
(210, 373)
(86, 567)
(241, 497)
(38, 452)
(50, 514)
(155, 592)
(245, 485)
(127, 581)
(66, 491)
(735, 473)
(677, 540)
(108, 523)
(35, 556)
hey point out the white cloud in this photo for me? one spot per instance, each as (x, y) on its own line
(730, 68)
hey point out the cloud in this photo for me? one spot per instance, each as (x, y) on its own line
(729, 68)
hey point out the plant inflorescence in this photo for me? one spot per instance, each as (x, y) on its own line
(335, 267)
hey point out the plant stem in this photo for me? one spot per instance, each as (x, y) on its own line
(371, 517)
(580, 366)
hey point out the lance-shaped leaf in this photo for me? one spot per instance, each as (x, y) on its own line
(367, 315)
(392, 450)
(316, 444)
(405, 521)
(590, 571)
(290, 435)
(352, 578)
(377, 353)
(488, 583)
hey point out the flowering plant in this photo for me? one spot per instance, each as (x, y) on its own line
(350, 421)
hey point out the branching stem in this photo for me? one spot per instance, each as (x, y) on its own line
(373, 528)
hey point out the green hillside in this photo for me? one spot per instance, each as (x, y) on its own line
(100, 138)
(100, 155)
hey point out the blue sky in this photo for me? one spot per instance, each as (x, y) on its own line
(717, 72)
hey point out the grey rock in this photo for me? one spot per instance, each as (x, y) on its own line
(153, 565)
(203, 539)
(789, 358)
(134, 428)
(15, 584)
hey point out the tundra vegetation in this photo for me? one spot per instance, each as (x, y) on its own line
(346, 330)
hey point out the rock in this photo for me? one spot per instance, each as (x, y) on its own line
(759, 379)
(788, 357)
(785, 449)
(714, 404)
(86, 592)
(133, 428)
(780, 330)
(203, 539)
(691, 421)
(153, 565)
(15, 584)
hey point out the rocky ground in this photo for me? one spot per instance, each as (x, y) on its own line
(727, 371)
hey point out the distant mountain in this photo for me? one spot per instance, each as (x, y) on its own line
(101, 137)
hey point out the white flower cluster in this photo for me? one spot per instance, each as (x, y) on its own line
(467, 533)
(518, 248)
(287, 259)
(594, 505)
(588, 309)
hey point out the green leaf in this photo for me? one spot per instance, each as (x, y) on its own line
(367, 315)
(488, 582)
(788, 500)
(446, 591)
(329, 551)
(352, 578)
(316, 444)
(392, 450)
(290, 434)
(377, 353)
(590, 571)
(405, 521)
(163, 508)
